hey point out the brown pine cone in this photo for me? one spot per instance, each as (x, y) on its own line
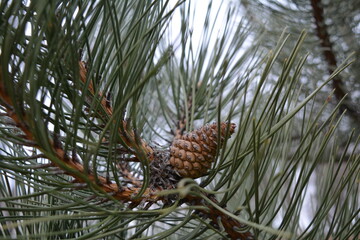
(191, 154)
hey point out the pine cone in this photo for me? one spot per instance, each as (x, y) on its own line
(191, 154)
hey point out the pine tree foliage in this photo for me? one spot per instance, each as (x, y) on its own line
(333, 28)
(93, 94)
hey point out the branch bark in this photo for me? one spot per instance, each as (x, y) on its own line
(128, 136)
(330, 58)
(71, 166)
(233, 228)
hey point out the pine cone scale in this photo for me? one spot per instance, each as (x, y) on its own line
(191, 154)
(190, 157)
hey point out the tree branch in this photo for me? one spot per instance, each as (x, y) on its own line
(330, 58)
(219, 220)
(128, 136)
(71, 166)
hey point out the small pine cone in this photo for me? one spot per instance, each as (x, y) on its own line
(191, 154)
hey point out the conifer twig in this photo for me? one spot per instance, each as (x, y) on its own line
(233, 228)
(181, 123)
(127, 135)
(71, 166)
(219, 220)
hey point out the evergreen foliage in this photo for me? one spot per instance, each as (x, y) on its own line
(333, 33)
(93, 93)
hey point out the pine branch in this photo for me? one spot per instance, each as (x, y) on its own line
(207, 134)
(329, 55)
(221, 221)
(127, 135)
(71, 166)
(94, 155)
